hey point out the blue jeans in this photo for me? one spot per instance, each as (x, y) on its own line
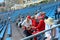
(27, 33)
(40, 37)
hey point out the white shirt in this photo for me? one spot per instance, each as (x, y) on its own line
(58, 10)
(47, 26)
(27, 24)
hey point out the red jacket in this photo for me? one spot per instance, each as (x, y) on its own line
(41, 25)
(34, 23)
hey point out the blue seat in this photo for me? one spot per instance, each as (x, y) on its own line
(8, 38)
(52, 13)
(9, 30)
(3, 32)
(1, 29)
(30, 9)
(0, 25)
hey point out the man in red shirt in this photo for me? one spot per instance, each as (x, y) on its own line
(41, 25)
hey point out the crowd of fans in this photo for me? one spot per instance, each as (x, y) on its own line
(37, 23)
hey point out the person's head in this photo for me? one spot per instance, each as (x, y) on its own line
(40, 18)
(42, 13)
(49, 21)
(28, 17)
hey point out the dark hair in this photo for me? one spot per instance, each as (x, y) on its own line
(35, 13)
(46, 17)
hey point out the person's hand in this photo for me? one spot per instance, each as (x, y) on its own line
(33, 27)
(23, 28)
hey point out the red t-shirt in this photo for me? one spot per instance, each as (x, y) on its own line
(41, 25)
(34, 23)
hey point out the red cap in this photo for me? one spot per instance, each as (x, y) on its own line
(29, 17)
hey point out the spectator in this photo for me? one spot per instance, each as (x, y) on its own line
(20, 22)
(27, 26)
(56, 30)
(43, 14)
(41, 27)
(49, 24)
(57, 13)
(58, 10)
(37, 15)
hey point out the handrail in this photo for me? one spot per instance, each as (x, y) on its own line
(55, 26)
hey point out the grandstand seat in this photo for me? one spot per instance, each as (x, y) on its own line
(1, 29)
(9, 30)
(48, 8)
(0, 25)
(8, 38)
(3, 32)
(31, 10)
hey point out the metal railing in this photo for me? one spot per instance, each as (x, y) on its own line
(32, 36)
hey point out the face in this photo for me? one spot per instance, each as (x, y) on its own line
(28, 19)
(44, 14)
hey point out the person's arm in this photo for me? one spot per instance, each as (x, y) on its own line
(39, 25)
(54, 32)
